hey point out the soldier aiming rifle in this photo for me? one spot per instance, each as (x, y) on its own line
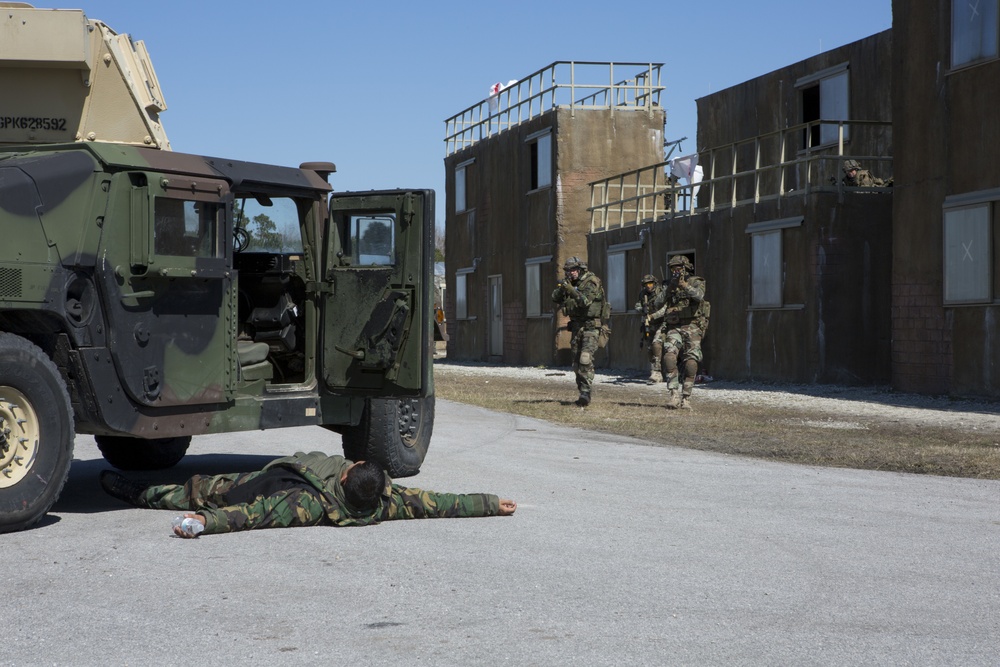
(686, 313)
(581, 297)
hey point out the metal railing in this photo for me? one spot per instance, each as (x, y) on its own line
(567, 84)
(771, 166)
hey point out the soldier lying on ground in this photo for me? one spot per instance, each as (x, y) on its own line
(300, 490)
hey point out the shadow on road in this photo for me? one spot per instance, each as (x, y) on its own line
(83, 493)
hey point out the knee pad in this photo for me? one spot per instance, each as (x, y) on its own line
(690, 368)
(585, 358)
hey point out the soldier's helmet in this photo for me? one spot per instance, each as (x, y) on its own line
(574, 263)
(851, 164)
(682, 261)
(648, 278)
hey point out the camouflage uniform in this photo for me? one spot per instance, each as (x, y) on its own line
(651, 299)
(303, 490)
(685, 312)
(862, 177)
(582, 300)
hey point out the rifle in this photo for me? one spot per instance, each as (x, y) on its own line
(646, 333)
(568, 286)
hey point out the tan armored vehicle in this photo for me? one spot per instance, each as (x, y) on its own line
(149, 296)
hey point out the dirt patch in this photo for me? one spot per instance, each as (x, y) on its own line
(820, 425)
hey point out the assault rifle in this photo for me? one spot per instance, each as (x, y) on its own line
(646, 331)
(568, 286)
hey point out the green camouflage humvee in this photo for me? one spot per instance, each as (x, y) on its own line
(148, 296)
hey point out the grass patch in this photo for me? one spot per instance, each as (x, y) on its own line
(791, 434)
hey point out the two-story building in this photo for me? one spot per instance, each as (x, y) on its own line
(810, 279)
(946, 204)
(518, 165)
(797, 263)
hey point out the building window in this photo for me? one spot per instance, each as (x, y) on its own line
(616, 281)
(767, 262)
(825, 96)
(461, 294)
(461, 202)
(533, 285)
(974, 30)
(968, 254)
(540, 145)
(766, 269)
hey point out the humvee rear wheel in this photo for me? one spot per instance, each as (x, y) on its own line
(393, 432)
(129, 453)
(36, 433)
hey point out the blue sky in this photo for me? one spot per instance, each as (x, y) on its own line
(368, 85)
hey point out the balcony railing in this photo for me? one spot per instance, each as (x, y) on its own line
(773, 166)
(563, 84)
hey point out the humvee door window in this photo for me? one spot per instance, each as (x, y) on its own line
(272, 224)
(186, 228)
(373, 239)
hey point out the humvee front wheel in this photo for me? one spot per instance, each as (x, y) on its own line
(36, 433)
(129, 453)
(393, 432)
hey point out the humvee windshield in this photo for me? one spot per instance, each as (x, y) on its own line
(272, 224)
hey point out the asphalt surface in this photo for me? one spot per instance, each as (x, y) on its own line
(619, 554)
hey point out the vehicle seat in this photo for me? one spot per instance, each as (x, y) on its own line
(253, 360)
(275, 325)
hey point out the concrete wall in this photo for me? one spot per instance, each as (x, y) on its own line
(771, 101)
(834, 327)
(946, 124)
(508, 223)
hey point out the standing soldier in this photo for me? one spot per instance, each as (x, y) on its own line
(685, 312)
(581, 297)
(651, 300)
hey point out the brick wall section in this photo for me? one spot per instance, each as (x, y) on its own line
(921, 339)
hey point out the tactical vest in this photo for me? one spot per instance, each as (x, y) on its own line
(590, 314)
(690, 311)
(597, 307)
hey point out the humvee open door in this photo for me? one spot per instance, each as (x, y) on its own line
(378, 255)
(381, 258)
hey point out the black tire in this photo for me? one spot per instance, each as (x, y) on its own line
(393, 432)
(36, 433)
(129, 453)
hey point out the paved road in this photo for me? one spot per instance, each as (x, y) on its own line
(619, 554)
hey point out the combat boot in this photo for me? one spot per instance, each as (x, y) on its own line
(584, 399)
(673, 399)
(121, 487)
(655, 377)
(685, 403)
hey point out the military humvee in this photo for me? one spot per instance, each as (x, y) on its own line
(148, 296)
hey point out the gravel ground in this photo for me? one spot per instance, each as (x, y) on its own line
(849, 407)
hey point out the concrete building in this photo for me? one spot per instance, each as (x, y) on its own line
(946, 217)
(810, 280)
(518, 165)
(797, 263)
